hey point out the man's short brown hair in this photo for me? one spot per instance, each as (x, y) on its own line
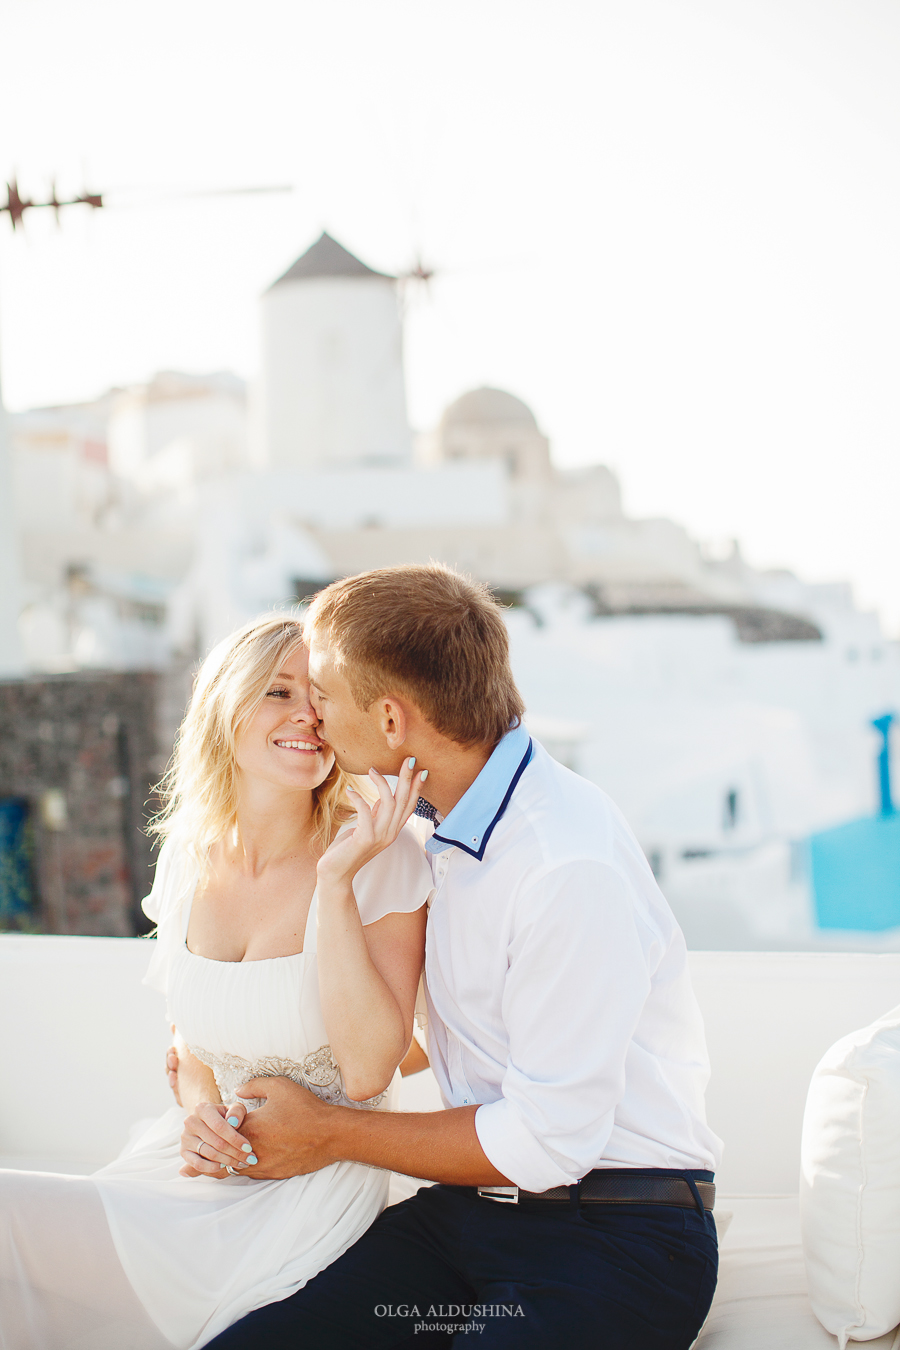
(429, 634)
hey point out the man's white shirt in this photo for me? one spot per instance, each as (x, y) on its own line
(557, 984)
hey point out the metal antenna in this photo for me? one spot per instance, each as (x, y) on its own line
(16, 205)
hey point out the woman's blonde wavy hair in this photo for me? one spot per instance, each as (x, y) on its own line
(199, 789)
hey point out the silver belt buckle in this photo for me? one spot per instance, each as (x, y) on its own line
(507, 1195)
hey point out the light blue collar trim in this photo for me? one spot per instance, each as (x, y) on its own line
(471, 823)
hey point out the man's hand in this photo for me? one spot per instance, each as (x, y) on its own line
(289, 1132)
(294, 1133)
(210, 1141)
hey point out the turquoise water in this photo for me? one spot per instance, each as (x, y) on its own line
(855, 872)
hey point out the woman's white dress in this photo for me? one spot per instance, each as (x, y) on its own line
(137, 1257)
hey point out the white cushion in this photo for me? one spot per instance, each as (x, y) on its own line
(761, 1301)
(850, 1183)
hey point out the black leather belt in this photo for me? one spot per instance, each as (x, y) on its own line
(602, 1187)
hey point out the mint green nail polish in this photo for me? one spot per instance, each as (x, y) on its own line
(253, 1158)
(232, 1120)
(424, 774)
(248, 1148)
(412, 762)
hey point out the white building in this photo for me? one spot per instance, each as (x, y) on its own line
(333, 389)
(105, 501)
(121, 488)
(724, 754)
(178, 430)
(12, 656)
(724, 709)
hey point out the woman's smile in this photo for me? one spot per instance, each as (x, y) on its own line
(307, 745)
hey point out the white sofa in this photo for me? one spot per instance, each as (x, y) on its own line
(81, 1060)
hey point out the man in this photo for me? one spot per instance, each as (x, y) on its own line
(573, 1158)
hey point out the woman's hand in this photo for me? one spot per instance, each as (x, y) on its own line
(190, 1079)
(172, 1063)
(376, 826)
(210, 1141)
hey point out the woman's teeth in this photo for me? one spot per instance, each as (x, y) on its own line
(299, 745)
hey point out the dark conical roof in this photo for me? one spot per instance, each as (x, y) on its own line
(328, 258)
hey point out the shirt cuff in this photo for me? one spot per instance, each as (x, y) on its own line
(514, 1151)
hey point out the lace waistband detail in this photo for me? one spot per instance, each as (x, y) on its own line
(317, 1071)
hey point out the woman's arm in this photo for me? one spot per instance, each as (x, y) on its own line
(372, 983)
(368, 977)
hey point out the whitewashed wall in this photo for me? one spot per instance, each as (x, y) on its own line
(12, 659)
(333, 389)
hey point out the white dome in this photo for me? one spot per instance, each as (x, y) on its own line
(482, 407)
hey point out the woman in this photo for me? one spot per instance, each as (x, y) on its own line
(288, 944)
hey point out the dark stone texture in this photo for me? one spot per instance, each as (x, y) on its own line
(81, 749)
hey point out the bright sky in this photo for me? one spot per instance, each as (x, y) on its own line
(671, 226)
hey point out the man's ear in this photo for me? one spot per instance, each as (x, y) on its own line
(392, 721)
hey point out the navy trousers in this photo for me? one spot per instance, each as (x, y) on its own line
(446, 1267)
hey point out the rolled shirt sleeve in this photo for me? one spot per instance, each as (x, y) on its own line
(579, 974)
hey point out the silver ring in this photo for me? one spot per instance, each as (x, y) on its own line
(232, 1171)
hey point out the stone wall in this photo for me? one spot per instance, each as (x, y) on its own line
(81, 750)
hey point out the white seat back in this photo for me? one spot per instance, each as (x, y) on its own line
(82, 1049)
(82, 1046)
(770, 1017)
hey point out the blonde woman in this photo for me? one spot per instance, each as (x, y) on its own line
(289, 944)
